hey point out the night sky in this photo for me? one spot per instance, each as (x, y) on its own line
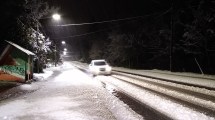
(99, 10)
(86, 11)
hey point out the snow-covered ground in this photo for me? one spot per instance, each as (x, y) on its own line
(161, 104)
(191, 78)
(64, 93)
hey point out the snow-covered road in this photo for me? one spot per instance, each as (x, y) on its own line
(64, 93)
(158, 102)
(171, 108)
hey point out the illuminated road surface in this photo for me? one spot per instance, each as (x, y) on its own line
(65, 93)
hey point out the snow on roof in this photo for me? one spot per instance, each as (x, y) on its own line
(20, 48)
(98, 60)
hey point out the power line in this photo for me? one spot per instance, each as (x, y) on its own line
(115, 20)
(100, 22)
(165, 12)
(88, 33)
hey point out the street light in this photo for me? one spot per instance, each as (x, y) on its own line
(56, 16)
(63, 42)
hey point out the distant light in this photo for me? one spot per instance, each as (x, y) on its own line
(63, 42)
(65, 49)
(40, 41)
(56, 17)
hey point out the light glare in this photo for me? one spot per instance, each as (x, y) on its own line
(56, 17)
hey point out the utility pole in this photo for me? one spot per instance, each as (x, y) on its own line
(55, 56)
(171, 39)
(56, 17)
(38, 56)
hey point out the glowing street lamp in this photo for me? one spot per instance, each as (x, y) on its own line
(63, 42)
(65, 49)
(56, 16)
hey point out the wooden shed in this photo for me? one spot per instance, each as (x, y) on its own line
(16, 63)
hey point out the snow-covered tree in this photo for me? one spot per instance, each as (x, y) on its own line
(21, 25)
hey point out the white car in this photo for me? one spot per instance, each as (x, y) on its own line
(100, 67)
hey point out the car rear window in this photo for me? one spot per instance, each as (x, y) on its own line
(100, 63)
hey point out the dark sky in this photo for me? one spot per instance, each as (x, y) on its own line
(99, 10)
(86, 11)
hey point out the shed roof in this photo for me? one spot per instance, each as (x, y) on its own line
(20, 48)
